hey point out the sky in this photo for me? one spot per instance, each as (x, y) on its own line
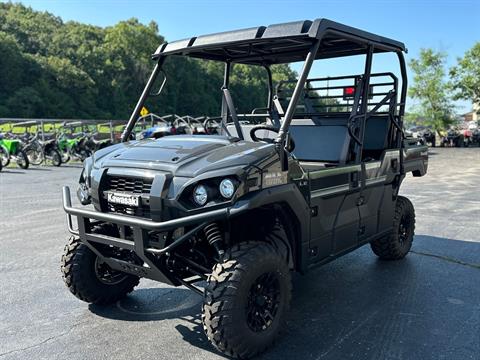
(451, 26)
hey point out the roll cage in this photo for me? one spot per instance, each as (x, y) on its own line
(304, 41)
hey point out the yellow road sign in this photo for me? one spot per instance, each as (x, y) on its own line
(144, 111)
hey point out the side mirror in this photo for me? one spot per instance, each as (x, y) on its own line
(132, 136)
(164, 81)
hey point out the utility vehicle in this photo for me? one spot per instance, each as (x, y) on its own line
(313, 176)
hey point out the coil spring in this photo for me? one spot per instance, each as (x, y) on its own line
(212, 233)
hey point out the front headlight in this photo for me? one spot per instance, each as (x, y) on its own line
(200, 195)
(227, 188)
(83, 192)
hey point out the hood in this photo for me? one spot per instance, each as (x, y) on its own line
(183, 155)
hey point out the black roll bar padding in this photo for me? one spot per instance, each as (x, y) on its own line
(145, 93)
(233, 112)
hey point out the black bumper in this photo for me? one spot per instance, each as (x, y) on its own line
(140, 243)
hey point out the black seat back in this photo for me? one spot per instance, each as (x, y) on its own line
(320, 139)
(375, 139)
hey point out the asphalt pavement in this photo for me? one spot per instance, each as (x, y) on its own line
(357, 307)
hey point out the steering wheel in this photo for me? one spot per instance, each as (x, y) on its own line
(254, 129)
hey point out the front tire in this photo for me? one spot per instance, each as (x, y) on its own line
(85, 276)
(22, 160)
(397, 244)
(34, 156)
(246, 299)
(4, 156)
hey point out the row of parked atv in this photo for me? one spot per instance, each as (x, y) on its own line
(454, 137)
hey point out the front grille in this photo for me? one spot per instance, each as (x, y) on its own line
(128, 184)
(141, 211)
(132, 185)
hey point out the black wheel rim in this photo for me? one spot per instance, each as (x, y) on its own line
(263, 302)
(403, 230)
(107, 275)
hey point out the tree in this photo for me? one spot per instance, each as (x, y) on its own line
(50, 68)
(465, 76)
(430, 88)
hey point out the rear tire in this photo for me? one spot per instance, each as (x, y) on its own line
(22, 160)
(246, 299)
(397, 244)
(55, 157)
(80, 270)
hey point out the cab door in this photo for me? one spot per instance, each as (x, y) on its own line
(335, 217)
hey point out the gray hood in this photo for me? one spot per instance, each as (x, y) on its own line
(183, 155)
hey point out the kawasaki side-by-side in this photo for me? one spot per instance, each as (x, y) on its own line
(312, 176)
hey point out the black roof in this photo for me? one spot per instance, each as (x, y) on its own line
(280, 43)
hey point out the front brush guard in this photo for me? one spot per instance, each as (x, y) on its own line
(140, 244)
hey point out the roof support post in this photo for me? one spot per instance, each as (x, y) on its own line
(287, 119)
(401, 111)
(226, 83)
(365, 94)
(146, 91)
(270, 87)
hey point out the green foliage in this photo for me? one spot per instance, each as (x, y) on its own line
(430, 88)
(466, 75)
(55, 69)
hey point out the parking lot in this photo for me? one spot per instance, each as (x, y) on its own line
(425, 307)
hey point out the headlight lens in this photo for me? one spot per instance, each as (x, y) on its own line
(227, 188)
(200, 195)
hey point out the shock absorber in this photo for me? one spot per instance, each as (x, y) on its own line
(214, 237)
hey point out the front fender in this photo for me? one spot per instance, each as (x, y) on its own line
(288, 195)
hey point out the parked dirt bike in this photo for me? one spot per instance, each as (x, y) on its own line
(39, 151)
(74, 148)
(11, 149)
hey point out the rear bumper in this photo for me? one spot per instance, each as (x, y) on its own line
(140, 243)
